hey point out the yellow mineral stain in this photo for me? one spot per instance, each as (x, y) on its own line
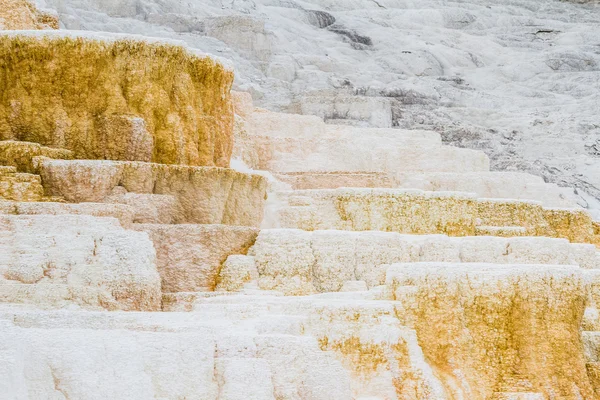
(158, 99)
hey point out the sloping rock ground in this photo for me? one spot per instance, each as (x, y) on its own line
(518, 80)
(383, 265)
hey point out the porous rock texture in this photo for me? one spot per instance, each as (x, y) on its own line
(56, 260)
(470, 309)
(518, 79)
(23, 14)
(332, 261)
(202, 195)
(122, 100)
(190, 256)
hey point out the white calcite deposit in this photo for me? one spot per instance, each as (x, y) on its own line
(518, 80)
(345, 251)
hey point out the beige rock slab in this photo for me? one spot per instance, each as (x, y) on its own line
(205, 195)
(123, 213)
(54, 261)
(189, 257)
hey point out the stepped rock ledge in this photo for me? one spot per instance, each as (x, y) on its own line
(163, 237)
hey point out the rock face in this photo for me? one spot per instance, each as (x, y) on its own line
(89, 261)
(332, 261)
(517, 80)
(131, 100)
(190, 256)
(298, 262)
(22, 14)
(200, 195)
(478, 305)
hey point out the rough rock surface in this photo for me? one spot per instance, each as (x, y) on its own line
(23, 14)
(203, 195)
(88, 261)
(124, 99)
(308, 154)
(485, 286)
(189, 257)
(298, 262)
(516, 79)
(418, 212)
(462, 314)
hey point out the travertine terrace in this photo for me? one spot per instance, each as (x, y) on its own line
(163, 238)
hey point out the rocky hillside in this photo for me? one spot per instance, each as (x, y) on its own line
(162, 237)
(518, 80)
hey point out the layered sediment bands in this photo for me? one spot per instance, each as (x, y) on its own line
(509, 185)
(387, 210)
(22, 14)
(122, 99)
(125, 214)
(297, 262)
(419, 212)
(204, 195)
(489, 329)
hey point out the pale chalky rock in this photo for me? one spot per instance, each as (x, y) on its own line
(297, 262)
(236, 271)
(287, 143)
(124, 213)
(189, 257)
(204, 195)
(242, 32)
(226, 355)
(381, 357)
(261, 122)
(23, 14)
(81, 364)
(376, 110)
(54, 261)
(354, 286)
(511, 185)
(486, 317)
(242, 103)
(148, 208)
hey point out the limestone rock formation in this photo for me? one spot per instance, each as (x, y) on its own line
(123, 99)
(332, 261)
(190, 256)
(93, 262)
(78, 220)
(518, 80)
(23, 14)
(202, 195)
